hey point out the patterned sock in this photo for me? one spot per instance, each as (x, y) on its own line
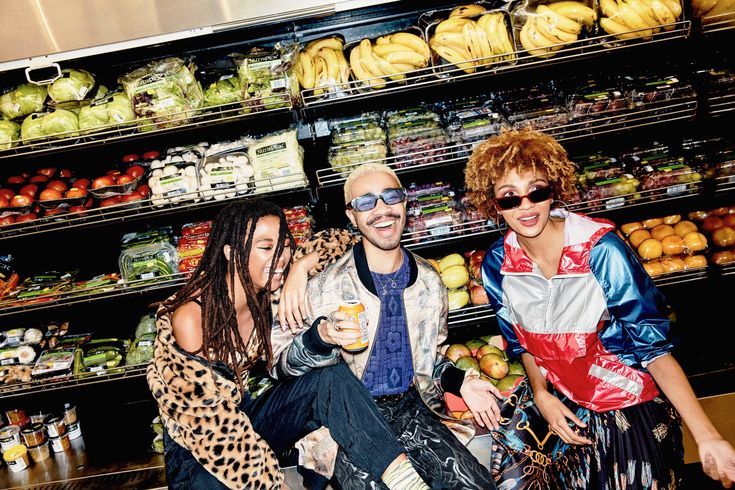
(403, 476)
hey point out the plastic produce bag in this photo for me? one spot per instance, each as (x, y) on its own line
(73, 85)
(266, 78)
(59, 123)
(22, 100)
(165, 91)
(278, 161)
(147, 324)
(9, 134)
(112, 109)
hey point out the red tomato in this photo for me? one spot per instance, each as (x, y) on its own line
(48, 171)
(29, 190)
(26, 217)
(77, 209)
(59, 185)
(54, 212)
(135, 170)
(144, 190)
(7, 220)
(15, 180)
(76, 192)
(81, 183)
(65, 173)
(130, 158)
(38, 179)
(20, 200)
(110, 201)
(105, 181)
(133, 196)
(89, 203)
(25, 175)
(114, 173)
(51, 195)
(4, 203)
(125, 179)
(7, 194)
(151, 155)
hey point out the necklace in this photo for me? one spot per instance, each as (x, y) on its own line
(389, 282)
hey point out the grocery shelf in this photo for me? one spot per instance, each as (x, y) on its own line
(470, 315)
(181, 120)
(647, 115)
(39, 385)
(649, 196)
(449, 233)
(13, 307)
(437, 76)
(721, 105)
(725, 183)
(712, 24)
(728, 270)
(151, 207)
(674, 278)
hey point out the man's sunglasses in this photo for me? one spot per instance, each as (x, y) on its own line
(366, 202)
(535, 196)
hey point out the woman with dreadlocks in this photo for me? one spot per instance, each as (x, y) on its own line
(223, 429)
(599, 409)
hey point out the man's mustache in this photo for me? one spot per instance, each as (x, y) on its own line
(386, 215)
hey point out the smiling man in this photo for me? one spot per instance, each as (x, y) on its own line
(406, 311)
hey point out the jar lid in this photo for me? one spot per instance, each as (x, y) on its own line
(9, 431)
(33, 428)
(52, 419)
(15, 452)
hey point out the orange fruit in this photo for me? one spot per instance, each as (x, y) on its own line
(654, 268)
(660, 232)
(673, 245)
(652, 222)
(695, 261)
(672, 220)
(650, 249)
(629, 228)
(695, 241)
(637, 237)
(684, 227)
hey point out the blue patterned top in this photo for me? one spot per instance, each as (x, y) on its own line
(390, 367)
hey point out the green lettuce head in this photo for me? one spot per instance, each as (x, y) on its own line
(115, 109)
(9, 131)
(60, 121)
(24, 100)
(73, 85)
(224, 91)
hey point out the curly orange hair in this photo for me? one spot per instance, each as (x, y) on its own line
(522, 151)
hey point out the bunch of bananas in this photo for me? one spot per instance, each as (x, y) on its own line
(468, 43)
(322, 66)
(713, 10)
(391, 56)
(554, 25)
(629, 19)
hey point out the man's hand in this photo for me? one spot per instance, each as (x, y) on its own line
(341, 329)
(480, 397)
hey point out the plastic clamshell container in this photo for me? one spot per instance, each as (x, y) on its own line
(344, 158)
(348, 132)
(225, 175)
(148, 261)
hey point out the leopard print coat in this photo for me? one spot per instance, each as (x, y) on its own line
(199, 409)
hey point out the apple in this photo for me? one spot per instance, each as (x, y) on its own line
(7, 194)
(478, 295)
(455, 351)
(38, 179)
(494, 366)
(104, 181)
(29, 190)
(4, 203)
(59, 185)
(489, 349)
(20, 201)
(48, 171)
(724, 237)
(81, 183)
(76, 192)
(16, 180)
(135, 170)
(110, 201)
(727, 220)
(51, 195)
(711, 223)
(26, 217)
(65, 173)
(125, 179)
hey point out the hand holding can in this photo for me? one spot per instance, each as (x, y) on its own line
(356, 312)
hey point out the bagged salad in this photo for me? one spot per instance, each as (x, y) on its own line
(267, 78)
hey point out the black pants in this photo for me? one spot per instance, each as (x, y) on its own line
(330, 397)
(438, 456)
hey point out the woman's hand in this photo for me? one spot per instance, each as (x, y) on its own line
(292, 309)
(480, 397)
(341, 329)
(718, 460)
(557, 414)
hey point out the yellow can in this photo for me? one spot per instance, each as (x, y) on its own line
(356, 310)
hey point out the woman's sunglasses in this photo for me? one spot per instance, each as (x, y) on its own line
(366, 202)
(535, 196)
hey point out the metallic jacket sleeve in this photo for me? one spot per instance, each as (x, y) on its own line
(492, 280)
(639, 326)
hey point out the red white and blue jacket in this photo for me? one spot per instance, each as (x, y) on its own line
(594, 326)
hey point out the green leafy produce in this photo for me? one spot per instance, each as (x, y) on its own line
(73, 85)
(112, 109)
(25, 99)
(49, 124)
(147, 324)
(9, 132)
(266, 79)
(142, 349)
(223, 91)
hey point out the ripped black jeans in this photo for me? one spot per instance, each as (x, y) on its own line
(332, 397)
